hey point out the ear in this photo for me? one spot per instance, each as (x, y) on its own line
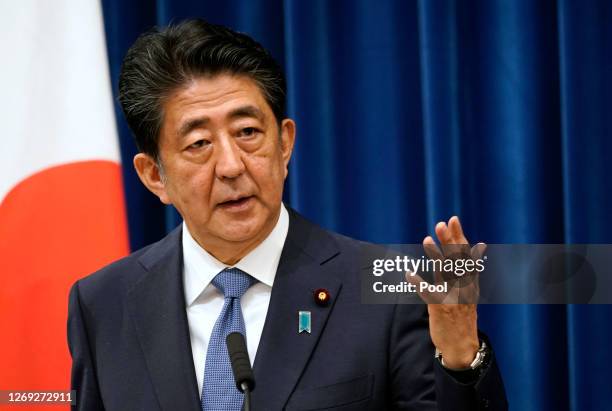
(287, 140)
(150, 175)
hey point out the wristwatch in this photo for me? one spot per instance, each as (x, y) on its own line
(481, 357)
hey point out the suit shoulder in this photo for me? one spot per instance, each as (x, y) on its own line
(366, 250)
(121, 275)
(319, 237)
(113, 276)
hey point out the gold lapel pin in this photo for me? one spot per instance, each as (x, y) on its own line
(322, 296)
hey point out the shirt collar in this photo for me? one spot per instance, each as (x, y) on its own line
(200, 267)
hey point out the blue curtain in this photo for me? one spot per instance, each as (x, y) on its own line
(411, 111)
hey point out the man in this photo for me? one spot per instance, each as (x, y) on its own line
(207, 108)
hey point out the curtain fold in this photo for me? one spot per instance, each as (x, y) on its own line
(410, 112)
(585, 61)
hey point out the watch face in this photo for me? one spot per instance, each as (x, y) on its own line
(478, 360)
(482, 357)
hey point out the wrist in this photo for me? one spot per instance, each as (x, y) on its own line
(462, 358)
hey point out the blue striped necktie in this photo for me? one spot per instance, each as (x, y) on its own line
(219, 390)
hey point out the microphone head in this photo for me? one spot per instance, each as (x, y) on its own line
(239, 357)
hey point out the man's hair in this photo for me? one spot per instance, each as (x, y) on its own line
(163, 60)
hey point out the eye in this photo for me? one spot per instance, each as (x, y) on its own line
(198, 144)
(248, 132)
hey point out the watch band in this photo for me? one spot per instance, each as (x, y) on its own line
(481, 355)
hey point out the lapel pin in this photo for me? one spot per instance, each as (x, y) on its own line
(322, 296)
(304, 322)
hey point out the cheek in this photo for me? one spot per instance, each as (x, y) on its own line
(268, 172)
(193, 186)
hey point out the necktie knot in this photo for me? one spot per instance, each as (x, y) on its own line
(233, 282)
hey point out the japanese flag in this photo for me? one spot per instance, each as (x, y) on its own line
(62, 212)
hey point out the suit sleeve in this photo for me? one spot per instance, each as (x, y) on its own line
(83, 378)
(485, 393)
(419, 382)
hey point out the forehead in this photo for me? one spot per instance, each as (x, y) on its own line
(213, 98)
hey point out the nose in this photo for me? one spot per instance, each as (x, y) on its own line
(229, 161)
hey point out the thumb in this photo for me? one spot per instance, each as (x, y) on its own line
(427, 296)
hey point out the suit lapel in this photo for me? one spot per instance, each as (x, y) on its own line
(283, 353)
(157, 306)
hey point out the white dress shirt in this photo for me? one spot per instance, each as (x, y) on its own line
(204, 302)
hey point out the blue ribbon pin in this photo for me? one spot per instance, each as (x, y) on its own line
(304, 322)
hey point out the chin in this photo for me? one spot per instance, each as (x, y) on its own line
(240, 231)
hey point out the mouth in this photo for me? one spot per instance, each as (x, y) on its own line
(238, 204)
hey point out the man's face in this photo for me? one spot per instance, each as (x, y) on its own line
(224, 160)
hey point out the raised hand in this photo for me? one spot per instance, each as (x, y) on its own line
(452, 314)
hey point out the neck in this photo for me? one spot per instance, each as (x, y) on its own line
(233, 252)
(230, 252)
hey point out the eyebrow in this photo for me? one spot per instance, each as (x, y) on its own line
(247, 111)
(190, 125)
(239, 112)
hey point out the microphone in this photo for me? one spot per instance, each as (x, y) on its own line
(241, 366)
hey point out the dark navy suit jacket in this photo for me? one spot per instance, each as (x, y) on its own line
(129, 338)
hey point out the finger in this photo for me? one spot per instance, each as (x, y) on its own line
(431, 248)
(427, 296)
(456, 231)
(433, 253)
(478, 251)
(442, 233)
(457, 237)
